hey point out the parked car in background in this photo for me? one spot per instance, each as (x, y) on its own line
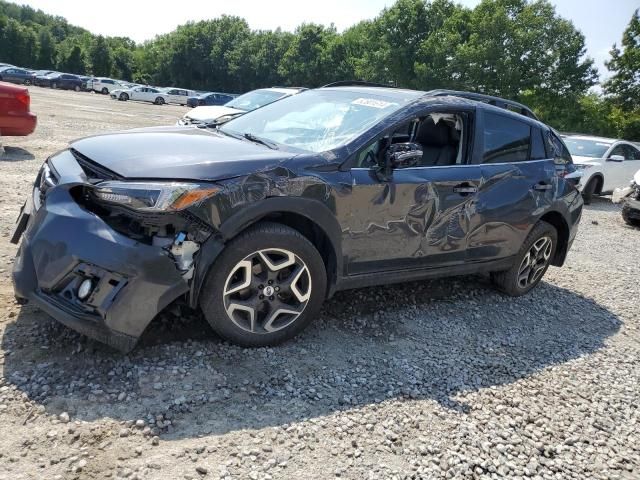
(16, 75)
(605, 163)
(141, 94)
(41, 73)
(178, 96)
(239, 105)
(104, 85)
(3, 65)
(63, 81)
(16, 118)
(210, 99)
(257, 222)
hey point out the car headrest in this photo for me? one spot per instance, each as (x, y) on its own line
(432, 134)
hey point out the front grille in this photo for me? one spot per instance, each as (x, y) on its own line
(95, 173)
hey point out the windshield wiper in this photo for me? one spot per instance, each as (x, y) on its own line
(262, 141)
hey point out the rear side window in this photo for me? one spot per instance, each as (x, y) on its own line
(538, 151)
(506, 139)
(631, 153)
(558, 150)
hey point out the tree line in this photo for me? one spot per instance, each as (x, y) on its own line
(518, 49)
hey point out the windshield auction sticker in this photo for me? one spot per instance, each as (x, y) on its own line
(371, 102)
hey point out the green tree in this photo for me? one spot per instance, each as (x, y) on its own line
(46, 49)
(100, 57)
(73, 60)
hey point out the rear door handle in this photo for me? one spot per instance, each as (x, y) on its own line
(465, 189)
(542, 186)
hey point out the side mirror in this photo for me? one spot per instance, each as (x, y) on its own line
(404, 155)
(615, 158)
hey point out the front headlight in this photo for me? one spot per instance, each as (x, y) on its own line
(153, 196)
(582, 166)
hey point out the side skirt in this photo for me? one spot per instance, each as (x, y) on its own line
(386, 278)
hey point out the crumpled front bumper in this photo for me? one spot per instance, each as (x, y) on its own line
(64, 244)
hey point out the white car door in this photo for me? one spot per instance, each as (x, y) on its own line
(618, 174)
(631, 163)
(137, 93)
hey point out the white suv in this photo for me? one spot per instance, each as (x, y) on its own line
(605, 163)
(239, 105)
(104, 85)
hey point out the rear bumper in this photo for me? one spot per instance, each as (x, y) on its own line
(18, 125)
(63, 245)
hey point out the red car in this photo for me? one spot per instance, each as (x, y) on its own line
(15, 117)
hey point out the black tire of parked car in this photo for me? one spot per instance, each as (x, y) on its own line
(260, 237)
(77, 88)
(104, 91)
(628, 218)
(510, 281)
(27, 82)
(123, 97)
(54, 85)
(589, 190)
(159, 101)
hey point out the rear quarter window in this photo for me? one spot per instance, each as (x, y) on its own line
(506, 139)
(558, 150)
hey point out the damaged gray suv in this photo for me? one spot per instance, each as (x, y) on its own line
(258, 221)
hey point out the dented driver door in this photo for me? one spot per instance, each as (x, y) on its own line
(420, 218)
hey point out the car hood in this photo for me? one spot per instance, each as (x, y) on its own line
(177, 153)
(210, 113)
(585, 160)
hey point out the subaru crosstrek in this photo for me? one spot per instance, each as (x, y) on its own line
(258, 221)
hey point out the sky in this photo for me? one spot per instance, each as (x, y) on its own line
(601, 21)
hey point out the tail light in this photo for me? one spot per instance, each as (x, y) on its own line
(24, 99)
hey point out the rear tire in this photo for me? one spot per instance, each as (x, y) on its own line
(77, 88)
(54, 85)
(104, 91)
(27, 82)
(589, 190)
(240, 298)
(628, 219)
(531, 263)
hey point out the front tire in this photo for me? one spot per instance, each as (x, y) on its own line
(105, 91)
(124, 97)
(589, 190)
(266, 286)
(159, 101)
(54, 85)
(532, 261)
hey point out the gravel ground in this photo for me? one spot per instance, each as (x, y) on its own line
(440, 379)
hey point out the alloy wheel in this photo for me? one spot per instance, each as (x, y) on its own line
(535, 262)
(267, 290)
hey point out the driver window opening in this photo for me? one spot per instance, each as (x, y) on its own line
(439, 136)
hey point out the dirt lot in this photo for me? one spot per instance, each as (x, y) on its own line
(443, 379)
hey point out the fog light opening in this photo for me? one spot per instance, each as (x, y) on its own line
(85, 288)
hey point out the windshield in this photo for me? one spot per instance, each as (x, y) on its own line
(255, 99)
(586, 148)
(317, 120)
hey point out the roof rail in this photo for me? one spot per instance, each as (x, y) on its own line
(495, 101)
(356, 83)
